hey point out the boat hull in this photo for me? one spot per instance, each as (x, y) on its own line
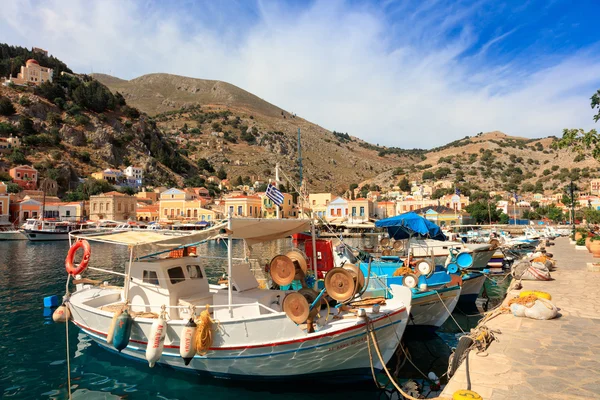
(472, 285)
(237, 354)
(44, 236)
(12, 235)
(428, 312)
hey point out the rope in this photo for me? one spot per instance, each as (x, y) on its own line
(66, 300)
(402, 271)
(449, 312)
(203, 340)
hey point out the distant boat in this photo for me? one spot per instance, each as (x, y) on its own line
(12, 234)
(39, 230)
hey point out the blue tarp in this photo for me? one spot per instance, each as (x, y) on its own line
(410, 225)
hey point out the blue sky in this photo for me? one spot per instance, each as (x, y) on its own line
(399, 73)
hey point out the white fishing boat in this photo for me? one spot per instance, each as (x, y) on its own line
(40, 230)
(471, 288)
(12, 234)
(251, 337)
(428, 248)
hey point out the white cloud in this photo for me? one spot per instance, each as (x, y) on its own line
(348, 68)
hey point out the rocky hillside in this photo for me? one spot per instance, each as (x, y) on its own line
(248, 136)
(494, 161)
(65, 139)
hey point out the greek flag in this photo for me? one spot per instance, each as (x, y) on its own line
(274, 194)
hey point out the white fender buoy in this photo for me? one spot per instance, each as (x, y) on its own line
(187, 350)
(111, 329)
(61, 314)
(156, 341)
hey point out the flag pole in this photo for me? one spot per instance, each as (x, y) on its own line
(276, 185)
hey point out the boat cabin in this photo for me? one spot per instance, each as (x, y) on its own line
(182, 282)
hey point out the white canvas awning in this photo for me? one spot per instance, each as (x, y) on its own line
(257, 230)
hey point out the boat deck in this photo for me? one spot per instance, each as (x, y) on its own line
(555, 359)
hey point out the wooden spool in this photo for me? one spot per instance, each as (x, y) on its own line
(398, 245)
(425, 267)
(299, 261)
(296, 307)
(311, 295)
(282, 270)
(386, 252)
(410, 281)
(384, 242)
(357, 274)
(340, 284)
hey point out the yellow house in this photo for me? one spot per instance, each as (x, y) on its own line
(287, 210)
(4, 204)
(359, 210)
(318, 203)
(243, 206)
(113, 206)
(179, 205)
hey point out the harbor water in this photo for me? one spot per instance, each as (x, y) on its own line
(33, 347)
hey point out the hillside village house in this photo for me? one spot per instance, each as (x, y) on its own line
(318, 203)
(23, 209)
(243, 206)
(113, 206)
(595, 186)
(147, 197)
(24, 176)
(177, 205)
(134, 176)
(4, 204)
(110, 175)
(10, 143)
(360, 210)
(337, 210)
(33, 73)
(287, 208)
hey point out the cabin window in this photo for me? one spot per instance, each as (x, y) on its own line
(194, 271)
(176, 275)
(150, 277)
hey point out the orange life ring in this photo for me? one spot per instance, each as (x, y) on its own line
(76, 269)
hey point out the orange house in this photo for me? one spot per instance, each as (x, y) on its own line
(24, 209)
(4, 204)
(24, 176)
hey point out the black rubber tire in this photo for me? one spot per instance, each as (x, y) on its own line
(464, 343)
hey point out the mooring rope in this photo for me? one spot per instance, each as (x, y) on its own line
(449, 312)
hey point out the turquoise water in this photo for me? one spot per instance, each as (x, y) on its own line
(33, 353)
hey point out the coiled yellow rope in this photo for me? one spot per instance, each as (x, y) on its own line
(203, 339)
(403, 271)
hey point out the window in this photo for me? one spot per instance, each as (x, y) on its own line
(250, 210)
(150, 277)
(239, 210)
(203, 216)
(68, 213)
(119, 206)
(339, 212)
(314, 202)
(208, 217)
(353, 211)
(194, 271)
(25, 175)
(178, 212)
(362, 211)
(166, 211)
(94, 207)
(196, 213)
(176, 275)
(231, 209)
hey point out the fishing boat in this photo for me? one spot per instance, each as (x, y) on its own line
(439, 251)
(255, 333)
(38, 230)
(12, 234)
(471, 288)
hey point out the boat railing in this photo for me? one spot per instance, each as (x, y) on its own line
(187, 307)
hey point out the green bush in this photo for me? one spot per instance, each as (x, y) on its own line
(7, 129)
(25, 101)
(580, 242)
(26, 125)
(82, 119)
(54, 119)
(6, 106)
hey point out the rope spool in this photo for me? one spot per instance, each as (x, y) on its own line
(398, 245)
(340, 284)
(411, 281)
(425, 267)
(203, 339)
(296, 307)
(282, 270)
(298, 260)
(311, 295)
(386, 252)
(384, 242)
(357, 274)
(495, 243)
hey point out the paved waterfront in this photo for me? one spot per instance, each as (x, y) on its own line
(555, 359)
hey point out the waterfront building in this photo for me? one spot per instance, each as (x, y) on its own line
(33, 73)
(147, 213)
(147, 197)
(269, 209)
(359, 210)
(113, 206)
(243, 206)
(318, 203)
(179, 205)
(384, 209)
(4, 204)
(71, 211)
(23, 209)
(24, 176)
(337, 210)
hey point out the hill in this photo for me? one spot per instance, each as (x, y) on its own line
(249, 136)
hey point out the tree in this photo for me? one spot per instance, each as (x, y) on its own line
(13, 187)
(239, 181)
(482, 211)
(6, 106)
(427, 175)
(17, 157)
(404, 185)
(221, 174)
(577, 139)
(127, 190)
(442, 172)
(527, 187)
(26, 125)
(204, 165)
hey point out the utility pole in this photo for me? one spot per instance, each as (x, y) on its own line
(572, 190)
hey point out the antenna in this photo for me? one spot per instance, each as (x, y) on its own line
(299, 158)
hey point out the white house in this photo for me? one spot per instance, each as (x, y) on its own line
(337, 210)
(134, 175)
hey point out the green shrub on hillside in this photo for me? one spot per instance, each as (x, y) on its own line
(6, 107)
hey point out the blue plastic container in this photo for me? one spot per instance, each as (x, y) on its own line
(51, 301)
(464, 260)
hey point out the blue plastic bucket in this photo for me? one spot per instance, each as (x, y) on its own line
(464, 260)
(452, 268)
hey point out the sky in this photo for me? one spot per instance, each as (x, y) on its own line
(397, 72)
